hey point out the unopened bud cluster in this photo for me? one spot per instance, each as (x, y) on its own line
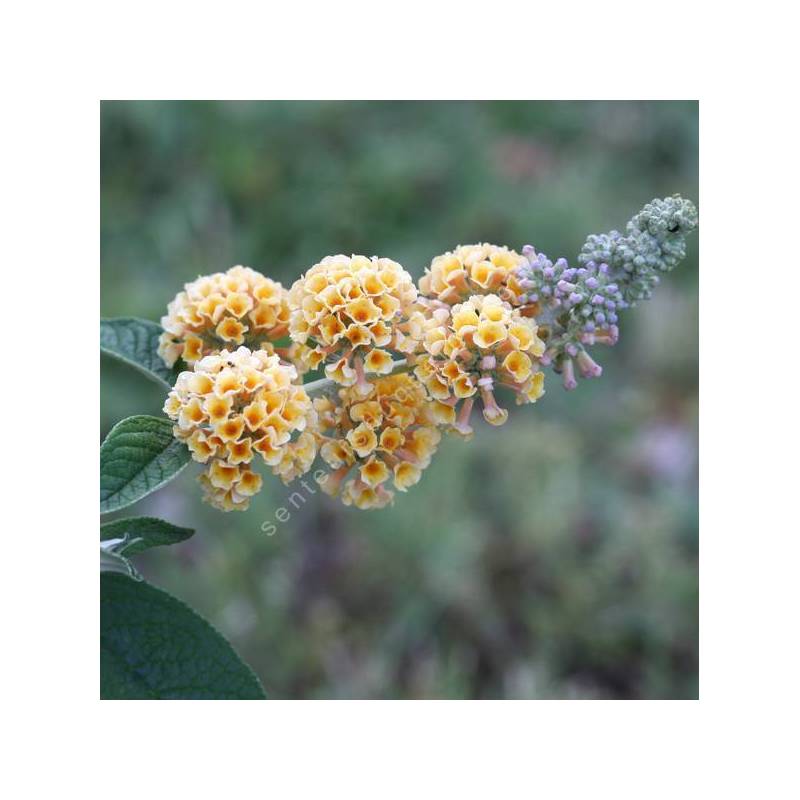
(654, 242)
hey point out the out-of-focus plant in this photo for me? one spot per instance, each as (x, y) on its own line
(403, 365)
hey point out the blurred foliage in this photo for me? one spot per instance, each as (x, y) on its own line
(553, 558)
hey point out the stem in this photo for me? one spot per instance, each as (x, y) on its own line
(325, 384)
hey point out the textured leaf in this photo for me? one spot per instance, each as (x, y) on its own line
(138, 456)
(135, 341)
(153, 646)
(142, 533)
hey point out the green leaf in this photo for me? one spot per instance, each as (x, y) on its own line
(138, 456)
(142, 533)
(135, 341)
(153, 646)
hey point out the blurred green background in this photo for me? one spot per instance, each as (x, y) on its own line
(555, 557)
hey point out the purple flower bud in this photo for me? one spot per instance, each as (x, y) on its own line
(610, 305)
(528, 250)
(592, 283)
(533, 298)
(600, 318)
(598, 300)
(612, 287)
(548, 272)
(569, 274)
(571, 350)
(612, 318)
(603, 268)
(589, 327)
(565, 286)
(575, 298)
(588, 367)
(569, 375)
(561, 263)
(546, 291)
(582, 272)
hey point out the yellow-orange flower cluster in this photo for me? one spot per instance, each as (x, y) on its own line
(233, 406)
(347, 310)
(473, 346)
(224, 310)
(387, 437)
(465, 332)
(473, 269)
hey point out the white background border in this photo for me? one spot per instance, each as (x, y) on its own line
(60, 59)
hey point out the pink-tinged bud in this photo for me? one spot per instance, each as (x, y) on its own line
(332, 482)
(568, 375)
(571, 350)
(547, 358)
(362, 385)
(528, 250)
(566, 287)
(488, 363)
(383, 494)
(588, 366)
(461, 424)
(486, 382)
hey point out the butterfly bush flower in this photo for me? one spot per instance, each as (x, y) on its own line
(473, 269)
(224, 310)
(472, 348)
(386, 438)
(484, 317)
(347, 310)
(234, 406)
